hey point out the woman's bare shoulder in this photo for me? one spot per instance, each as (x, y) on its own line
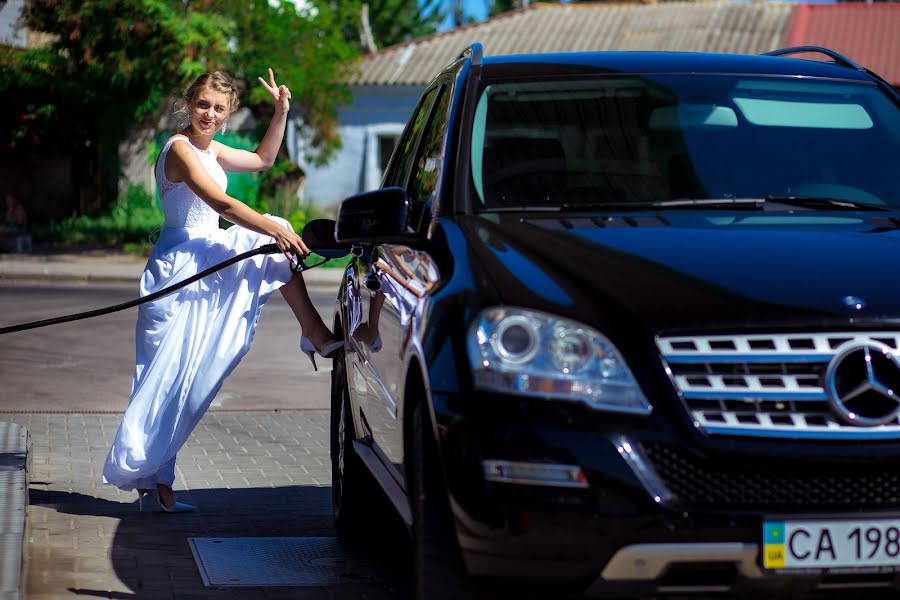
(175, 138)
(180, 158)
(170, 143)
(182, 151)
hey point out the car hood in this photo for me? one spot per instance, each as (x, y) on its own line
(689, 271)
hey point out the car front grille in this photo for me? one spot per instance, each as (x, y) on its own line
(773, 485)
(767, 385)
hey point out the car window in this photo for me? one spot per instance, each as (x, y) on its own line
(653, 138)
(402, 165)
(425, 176)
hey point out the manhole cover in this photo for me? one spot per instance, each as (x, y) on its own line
(277, 562)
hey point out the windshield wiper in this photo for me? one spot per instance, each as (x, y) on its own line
(825, 202)
(524, 208)
(736, 203)
(758, 203)
(732, 203)
(692, 203)
(700, 203)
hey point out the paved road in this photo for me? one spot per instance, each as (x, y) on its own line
(257, 465)
(88, 365)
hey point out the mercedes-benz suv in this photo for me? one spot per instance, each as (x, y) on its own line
(629, 323)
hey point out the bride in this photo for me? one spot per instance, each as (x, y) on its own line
(190, 340)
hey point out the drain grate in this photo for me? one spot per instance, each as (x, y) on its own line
(277, 562)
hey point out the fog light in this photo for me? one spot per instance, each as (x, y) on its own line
(526, 473)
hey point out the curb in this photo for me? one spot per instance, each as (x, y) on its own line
(15, 471)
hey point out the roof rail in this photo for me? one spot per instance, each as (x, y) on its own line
(475, 52)
(836, 56)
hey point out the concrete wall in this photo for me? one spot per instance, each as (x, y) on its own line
(375, 110)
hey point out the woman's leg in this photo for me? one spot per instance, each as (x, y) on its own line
(294, 292)
(165, 478)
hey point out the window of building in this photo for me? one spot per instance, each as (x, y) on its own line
(386, 145)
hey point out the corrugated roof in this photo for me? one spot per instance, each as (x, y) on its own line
(867, 33)
(685, 26)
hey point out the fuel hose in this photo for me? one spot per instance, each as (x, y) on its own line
(266, 249)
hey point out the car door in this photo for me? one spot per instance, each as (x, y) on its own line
(386, 292)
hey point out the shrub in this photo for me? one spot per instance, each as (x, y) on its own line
(128, 220)
(135, 214)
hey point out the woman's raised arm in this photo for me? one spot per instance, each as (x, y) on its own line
(243, 161)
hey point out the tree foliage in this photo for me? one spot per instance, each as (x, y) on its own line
(112, 62)
(109, 63)
(495, 7)
(392, 21)
(308, 52)
(396, 21)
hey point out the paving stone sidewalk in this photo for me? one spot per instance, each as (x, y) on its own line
(250, 474)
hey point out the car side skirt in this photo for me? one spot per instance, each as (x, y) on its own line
(391, 488)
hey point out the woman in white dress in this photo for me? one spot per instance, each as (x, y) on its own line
(190, 340)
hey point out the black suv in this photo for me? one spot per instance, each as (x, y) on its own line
(629, 323)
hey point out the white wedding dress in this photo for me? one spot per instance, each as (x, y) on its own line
(190, 340)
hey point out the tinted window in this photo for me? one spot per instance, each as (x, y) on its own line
(425, 177)
(401, 171)
(655, 138)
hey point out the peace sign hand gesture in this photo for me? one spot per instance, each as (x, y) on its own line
(280, 93)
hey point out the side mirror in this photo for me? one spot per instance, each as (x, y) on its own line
(376, 217)
(318, 235)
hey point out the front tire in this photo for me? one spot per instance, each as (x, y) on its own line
(438, 569)
(351, 483)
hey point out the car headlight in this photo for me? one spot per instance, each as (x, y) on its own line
(532, 353)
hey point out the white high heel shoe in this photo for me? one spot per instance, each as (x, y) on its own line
(308, 348)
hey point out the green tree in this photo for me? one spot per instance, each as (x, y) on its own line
(392, 21)
(109, 64)
(113, 62)
(306, 49)
(495, 7)
(396, 21)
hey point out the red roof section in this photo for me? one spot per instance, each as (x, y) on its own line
(867, 33)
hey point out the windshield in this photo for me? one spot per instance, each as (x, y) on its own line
(650, 139)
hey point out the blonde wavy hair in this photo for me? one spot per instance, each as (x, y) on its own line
(218, 81)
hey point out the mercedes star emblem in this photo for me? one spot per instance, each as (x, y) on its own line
(863, 384)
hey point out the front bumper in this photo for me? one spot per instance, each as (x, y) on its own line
(630, 529)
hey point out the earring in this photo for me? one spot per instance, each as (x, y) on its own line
(224, 127)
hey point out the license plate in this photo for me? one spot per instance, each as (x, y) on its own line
(825, 544)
